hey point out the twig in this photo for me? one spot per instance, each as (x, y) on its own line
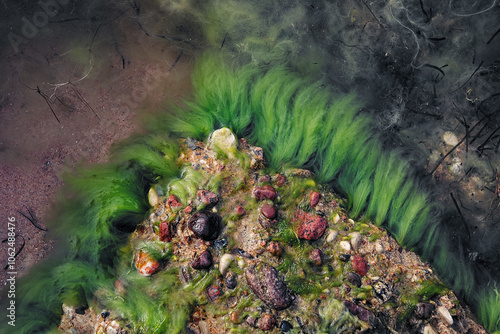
(32, 218)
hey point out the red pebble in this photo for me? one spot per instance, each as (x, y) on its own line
(173, 202)
(316, 257)
(266, 323)
(207, 197)
(314, 199)
(239, 210)
(280, 180)
(165, 232)
(264, 192)
(214, 292)
(188, 209)
(360, 265)
(312, 227)
(269, 211)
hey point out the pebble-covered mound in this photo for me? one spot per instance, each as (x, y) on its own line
(252, 251)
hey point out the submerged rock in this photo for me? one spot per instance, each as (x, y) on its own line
(202, 261)
(205, 225)
(265, 282)
(224, 140)
(311, 227)
(269, 211)
(146, 264)
(264, 192)
(360, 265)
(314, 199)
(207, 198)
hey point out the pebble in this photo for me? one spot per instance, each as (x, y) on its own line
(264, 192)
(269, 211)
(355, 240)
(264, 178)
(445, 315)
(280, 180)
(345, 245)
(206, 197)
(316, 257)
(314, 199)
(231, 280)
(354, 279)
(265, 282)
(165, 231)
(332, 235)
(266, 322)
(360, 265)
(344, 257)
(225, 261)
(312, 227)
(153, 197)
(214, 292)
(379, 247)
(202, 261)
(429, 330)
(424, 310)
(239, 211)
(205, 225)
(274, 248)
(192, 143)
(236, 317)
(145, 264)
(285, 326)
(173, 202)
(450, 138)
(336, 219)
(362, 313)
(251, 321)
(225, 140)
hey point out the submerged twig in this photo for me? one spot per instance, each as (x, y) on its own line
(32, 218)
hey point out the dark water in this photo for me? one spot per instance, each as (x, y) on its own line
(421, 68)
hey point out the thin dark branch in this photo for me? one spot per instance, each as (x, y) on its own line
(32, 218)
(477, 69)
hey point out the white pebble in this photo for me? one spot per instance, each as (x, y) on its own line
(450, 138)
(332, 235)
(152, 197)
(355, 240)
(225, 261)
(336, 219)
(445, 315)
(379, 247)
(351, 221)
(225, 140)
(429, 330)
(345, 245)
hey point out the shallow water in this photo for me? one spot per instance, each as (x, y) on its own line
(79, 77)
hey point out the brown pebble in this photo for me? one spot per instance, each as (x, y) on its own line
(205, 225)
(251, 321)
(264, 178)
(316, 257)
(280, 180)
(188, 209)
(314, 199)
(266, 323)
(239, 211)
(354, 279)
(174, 203)
(214, 292)
(236, 317)
(274, 248)
(269, 211)
(312, 227)
(264, 192)
(165, 231)
(202, 261)
(207, 197)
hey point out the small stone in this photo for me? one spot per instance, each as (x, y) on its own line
(332, 235)
(239, 211)
(450, 138)
(207, 198)
(251, 321)
(429, 330)
(266, 322)
(236, 317)
(344, 257)
(264, 192)
(265, 282)
(379, 247)
(214, 292)
(345, 245)
(360, 265)
(355, 240)
(285, 326)
(205, 225)
(269, 211)
(424, 310)
(192, 143)
(264, 178)
(188, 209)
(225, 261)
(225, 140)
(274, 248)
(312, 227)
(314, 199)
(165, 231)
(280, 180)
(362, 313)
(173, 202)
(153, 197)
(354, 279)
(316, 257)
(146, 264)
(202, 261)
(230, 280)
(445, 315)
